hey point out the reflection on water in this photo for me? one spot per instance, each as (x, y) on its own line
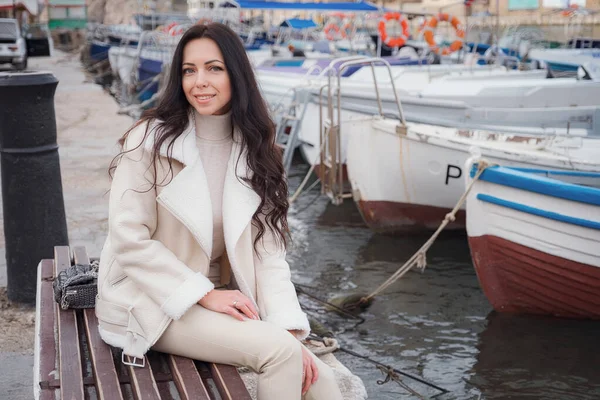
(437, 324)
(532, 357)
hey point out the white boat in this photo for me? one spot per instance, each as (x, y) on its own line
(564, 59)
(455, 96)
(534, 236)
(130, 64)
(259, 56)
(408, 179)
(122, 61)
(542, 121)
(277, 84)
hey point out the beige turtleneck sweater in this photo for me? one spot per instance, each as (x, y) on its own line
(214, 140)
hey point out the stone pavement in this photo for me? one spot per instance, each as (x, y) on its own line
(88, 130)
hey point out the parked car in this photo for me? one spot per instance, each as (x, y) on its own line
(17, 45)
(13, 47)
(38, 39)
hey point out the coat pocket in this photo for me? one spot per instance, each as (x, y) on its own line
(119, 280)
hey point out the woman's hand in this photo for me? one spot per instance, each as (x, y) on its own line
(310, 372)
(232, 302)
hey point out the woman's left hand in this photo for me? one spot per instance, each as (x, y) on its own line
(310, 372)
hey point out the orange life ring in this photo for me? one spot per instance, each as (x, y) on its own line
(430, 28)
(390, 40)
(347, 30)
(332, 31)
(176, 30)
(570, 11)
(166, 28)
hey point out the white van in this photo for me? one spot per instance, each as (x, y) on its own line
(13, 48)
(17, 45)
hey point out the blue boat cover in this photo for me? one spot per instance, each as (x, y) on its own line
(297, 23)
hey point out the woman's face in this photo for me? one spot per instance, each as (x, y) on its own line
(205, 79)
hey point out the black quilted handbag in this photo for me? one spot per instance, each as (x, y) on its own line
(77, 286)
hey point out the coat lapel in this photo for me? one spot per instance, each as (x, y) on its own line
(187, 196)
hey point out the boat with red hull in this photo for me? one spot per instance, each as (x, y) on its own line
(535, 240)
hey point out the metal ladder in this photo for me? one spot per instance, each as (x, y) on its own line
(288, 127)
(330, 135)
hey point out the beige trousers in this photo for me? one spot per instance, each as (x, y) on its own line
(267, 349)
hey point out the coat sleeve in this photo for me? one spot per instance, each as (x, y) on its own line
(153, 267)
(276, 294)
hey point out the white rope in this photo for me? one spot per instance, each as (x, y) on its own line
(420, 257)
(298, 191)
(329, 345)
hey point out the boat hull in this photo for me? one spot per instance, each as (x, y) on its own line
(398, 217)
(408, 182)
(520, 279)
(535, 239)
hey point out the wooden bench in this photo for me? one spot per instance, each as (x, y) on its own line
(71, 358)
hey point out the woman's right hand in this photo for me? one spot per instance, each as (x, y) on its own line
(231, 302)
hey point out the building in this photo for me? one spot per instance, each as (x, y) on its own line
(504, 8)
(22, 10)
(71, 14)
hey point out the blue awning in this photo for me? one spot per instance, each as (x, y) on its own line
(275, 5)
(297, 23)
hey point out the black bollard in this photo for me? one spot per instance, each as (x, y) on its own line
(32, 197)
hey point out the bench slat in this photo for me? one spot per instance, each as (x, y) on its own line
(187, 379)
(105, 374)
(71, 378)
(164, 388)
(142, 382)
(228, 381)
(80, 255)
(46, 343)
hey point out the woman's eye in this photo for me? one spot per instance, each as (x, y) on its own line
(215, 68)
(188, 71)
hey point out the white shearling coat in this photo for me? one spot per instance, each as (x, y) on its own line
(155, 260)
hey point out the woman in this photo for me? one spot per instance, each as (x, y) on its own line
(194, 263)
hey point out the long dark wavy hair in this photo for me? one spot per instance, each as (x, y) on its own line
(249, 113)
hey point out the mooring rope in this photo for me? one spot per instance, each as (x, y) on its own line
(312, 201)
(420, 257)
(332, 345)
(300, 290)
(298, 191)
(392, 374)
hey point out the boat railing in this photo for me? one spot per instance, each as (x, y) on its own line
(372, 62)
(279, 107)
(312, 69)
(159, 46)
(331, 66)
(330, 141)
(253, 34)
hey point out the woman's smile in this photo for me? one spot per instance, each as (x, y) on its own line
(204, 99)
